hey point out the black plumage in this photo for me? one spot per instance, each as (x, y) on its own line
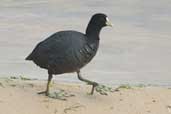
(69, 51)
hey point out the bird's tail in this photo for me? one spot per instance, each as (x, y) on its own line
(28, 57)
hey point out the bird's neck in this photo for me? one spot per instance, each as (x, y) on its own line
(93, 32)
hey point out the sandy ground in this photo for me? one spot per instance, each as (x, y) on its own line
(20, 97)
(135, 50)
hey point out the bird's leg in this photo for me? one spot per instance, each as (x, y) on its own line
(94, 84)
(60, 94)
(48, 84)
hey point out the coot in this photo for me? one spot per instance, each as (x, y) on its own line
(69, 51)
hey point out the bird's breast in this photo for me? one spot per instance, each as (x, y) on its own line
(85, 54)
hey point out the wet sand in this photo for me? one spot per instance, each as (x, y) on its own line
(20, 97)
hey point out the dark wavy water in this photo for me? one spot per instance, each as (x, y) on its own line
(137, 50)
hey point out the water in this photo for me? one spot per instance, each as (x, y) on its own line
(137, 50)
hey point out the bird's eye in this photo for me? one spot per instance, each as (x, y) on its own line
(107, 19)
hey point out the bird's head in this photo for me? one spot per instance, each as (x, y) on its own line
(100, 20)
(97, 22)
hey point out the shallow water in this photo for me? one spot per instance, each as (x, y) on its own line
(137, 50)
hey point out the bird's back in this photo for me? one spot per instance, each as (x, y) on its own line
(64, 51)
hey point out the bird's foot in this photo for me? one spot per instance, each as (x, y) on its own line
(103, 90)
(60, 94)
(43, 92)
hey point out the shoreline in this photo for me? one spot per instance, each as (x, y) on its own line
(78, 82)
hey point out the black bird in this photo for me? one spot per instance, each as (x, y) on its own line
(69, 51)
